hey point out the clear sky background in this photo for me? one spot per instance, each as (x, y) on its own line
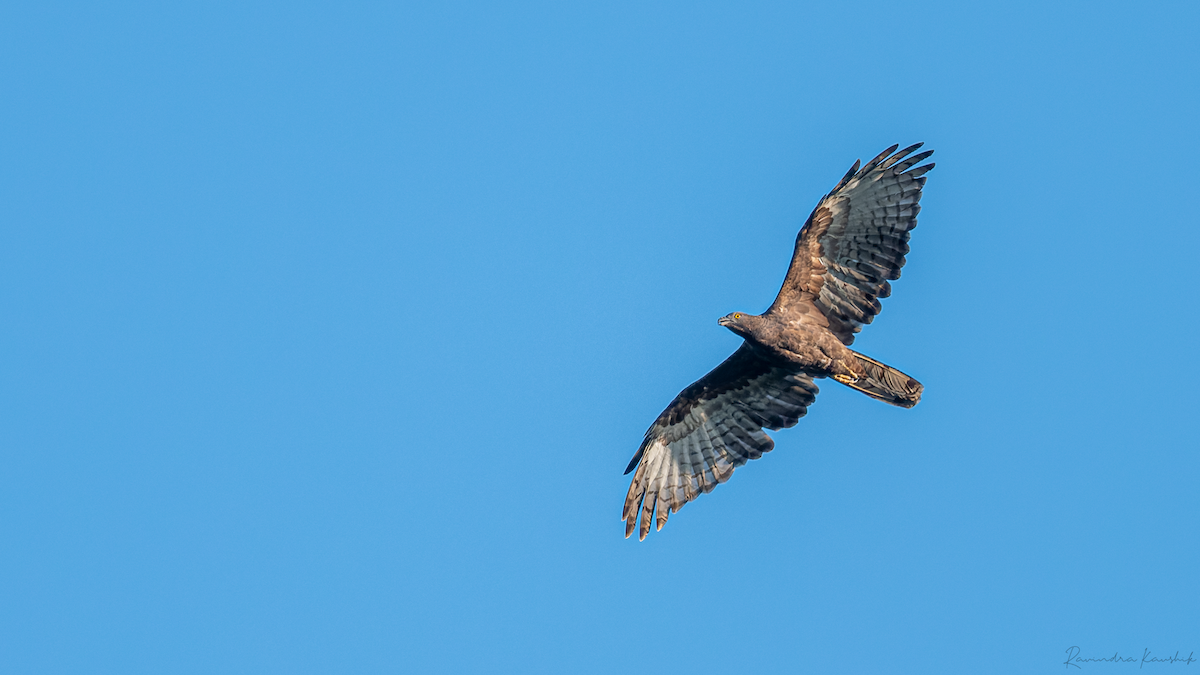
(327, 330)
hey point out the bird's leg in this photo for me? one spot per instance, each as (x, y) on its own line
(848, 376)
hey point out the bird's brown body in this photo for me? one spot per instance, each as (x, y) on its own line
(809, 347)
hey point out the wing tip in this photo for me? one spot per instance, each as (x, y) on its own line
(893, 159)
(879, 158)
(637, 458)
(846, 178)
(920, 171)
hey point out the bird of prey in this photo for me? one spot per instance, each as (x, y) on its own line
(849, 248)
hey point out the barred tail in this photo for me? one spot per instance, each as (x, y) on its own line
(884, 383)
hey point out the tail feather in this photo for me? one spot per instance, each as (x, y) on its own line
(884, 383)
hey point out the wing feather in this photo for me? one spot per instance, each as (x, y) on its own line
(710, 429)
(854, 243)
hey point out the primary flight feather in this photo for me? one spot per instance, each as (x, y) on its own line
(848, 250)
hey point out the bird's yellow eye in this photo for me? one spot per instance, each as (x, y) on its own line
(737, 316)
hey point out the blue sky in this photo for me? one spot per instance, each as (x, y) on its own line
(329, 330)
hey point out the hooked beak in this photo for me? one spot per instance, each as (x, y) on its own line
(723, 321)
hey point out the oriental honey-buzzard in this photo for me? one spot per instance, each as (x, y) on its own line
(849, 248)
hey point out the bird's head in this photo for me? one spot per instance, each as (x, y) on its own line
(737, 322)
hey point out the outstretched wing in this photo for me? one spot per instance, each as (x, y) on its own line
(854, 243)
(712, 427)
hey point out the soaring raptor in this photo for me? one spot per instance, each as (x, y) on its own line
(849, 248)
